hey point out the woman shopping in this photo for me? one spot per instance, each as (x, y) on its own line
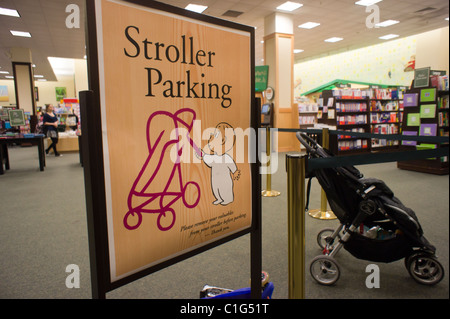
(51, 129)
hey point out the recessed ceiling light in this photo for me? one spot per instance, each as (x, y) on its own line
(309, 25)
(386, 23)
(4, 72)
(367, 3)
(9, 77)
(196, 8)
(20, 34)
(289, 6)
(334, 39)
(9, 12)
(389, 36)
(298, 50)
(62, 66)
(38, 76)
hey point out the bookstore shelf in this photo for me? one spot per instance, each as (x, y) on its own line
(426, 114)
(378, 111)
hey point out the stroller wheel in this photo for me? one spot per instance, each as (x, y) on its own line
(324, 238)
(325, 270)
(425, 269)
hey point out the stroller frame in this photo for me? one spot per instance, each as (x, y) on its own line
(377, 206)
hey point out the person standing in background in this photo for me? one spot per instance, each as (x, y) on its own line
(51, 129)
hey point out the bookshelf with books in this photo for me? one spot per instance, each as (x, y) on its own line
(443, 113)
(425, 114)
(385, 118)
(371, 110)
(307, 113)
(347, 110)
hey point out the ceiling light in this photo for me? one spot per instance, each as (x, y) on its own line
(62, 66)
(20, 34)
(9, 77)
(196, 8)
(289, 6)
(389, 36)
(334, 39)
(9, 12)
(446, 18)
(309, 25)
(42, 80)
(367, 3)
(386, 23)
(298, 50)
(38, 76)
(4, 72)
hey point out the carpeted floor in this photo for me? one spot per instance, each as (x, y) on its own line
(43, 230)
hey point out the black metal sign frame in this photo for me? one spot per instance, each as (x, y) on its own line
(92, 157)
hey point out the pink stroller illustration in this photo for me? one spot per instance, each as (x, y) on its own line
(159, 184)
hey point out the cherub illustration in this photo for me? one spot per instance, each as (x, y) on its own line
(223, 167)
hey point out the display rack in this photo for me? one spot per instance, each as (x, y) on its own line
(385, 118)
(378, 111)
(307, 113)
(352, 116)
(346, 114)
(425, 114)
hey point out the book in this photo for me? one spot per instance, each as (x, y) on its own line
(427, 111)
(410, 133)
(423, 146)
(428, 95)
(413, 119)
(428, 129)
(410, 99)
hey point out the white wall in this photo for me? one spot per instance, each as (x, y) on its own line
(370, 64)
(432, 49)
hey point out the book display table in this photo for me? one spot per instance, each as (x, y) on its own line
(20, 139)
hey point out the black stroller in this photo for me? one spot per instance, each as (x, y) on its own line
(374, 224)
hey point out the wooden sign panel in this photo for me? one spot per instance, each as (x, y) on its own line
(176, 103)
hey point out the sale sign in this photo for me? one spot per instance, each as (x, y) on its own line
(176, 97)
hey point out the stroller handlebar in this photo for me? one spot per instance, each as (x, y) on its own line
(310, 145)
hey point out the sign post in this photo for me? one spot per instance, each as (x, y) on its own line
(168, 125)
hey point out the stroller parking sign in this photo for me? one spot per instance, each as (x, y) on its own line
(175, 92)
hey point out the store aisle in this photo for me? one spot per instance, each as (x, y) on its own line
(43, 230)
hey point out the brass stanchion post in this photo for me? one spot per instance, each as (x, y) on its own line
(323, 212)
(268, 192)
(295, 166)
